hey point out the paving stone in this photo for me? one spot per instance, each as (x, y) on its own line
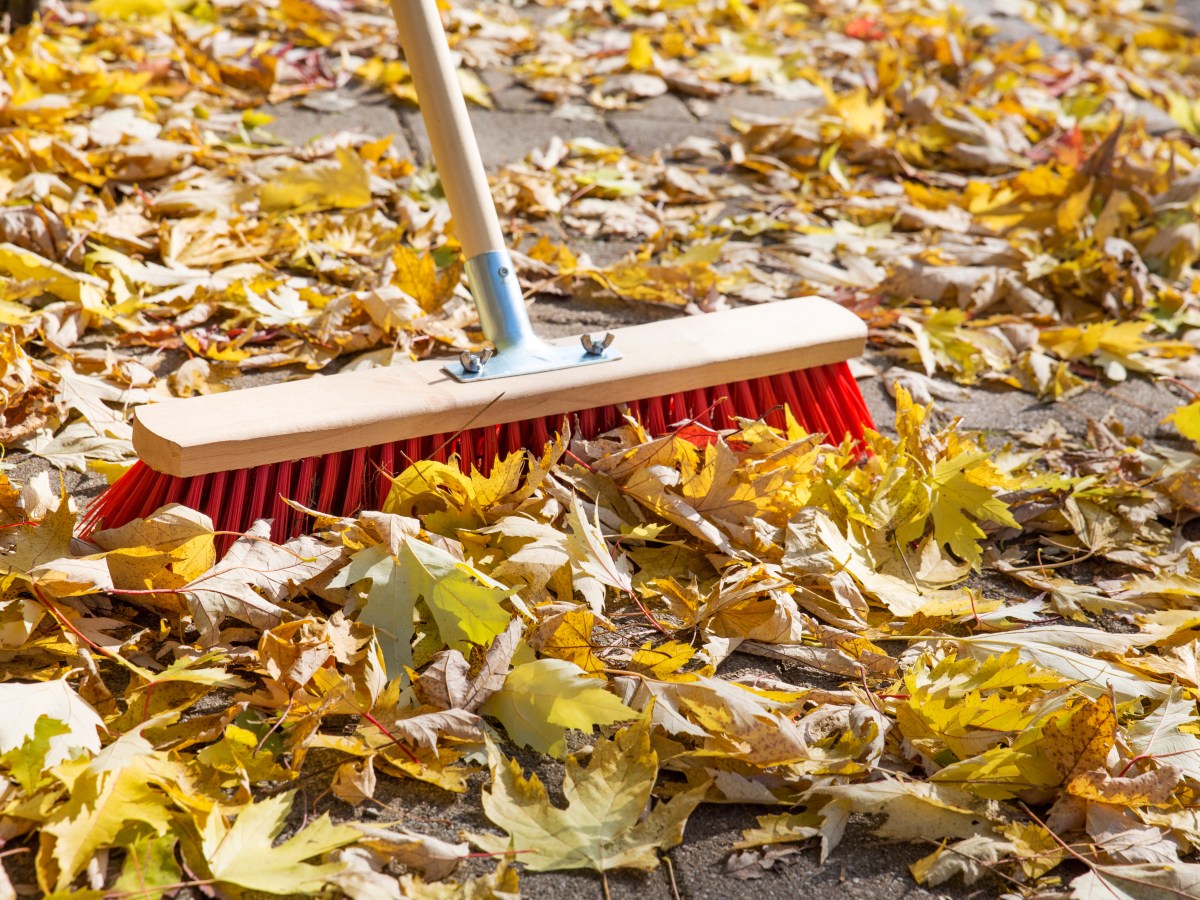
(659, 123)
(644, 136)
(506, 137)
(349, 109)
(664, 108)
(1010, 27)
(741, 102)
(511, 96)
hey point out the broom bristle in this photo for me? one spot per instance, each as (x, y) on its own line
(822, 399)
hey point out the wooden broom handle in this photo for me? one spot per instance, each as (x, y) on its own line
(444, 109)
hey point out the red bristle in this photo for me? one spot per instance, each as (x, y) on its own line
(834, 416)
(770, 409)
(383, 479)
(676, 409)
(281, 513)
(116, 502)
(489, 445)
(698, 408)
(218, 501)
(303, 488)
(413, 451)
(260, 483)
(356, 482)
(656, 415)
(721, 408)
(539, 435)
(467, 450)
(588, 422)
(743, 401)
(194, 496)
(436, 447)
(175, 491)
(851, 398)
(810, 414)
(330, 473)
(823, 399)
(234, 516)
(387, 460)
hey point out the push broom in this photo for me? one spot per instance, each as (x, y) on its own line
(324, 441)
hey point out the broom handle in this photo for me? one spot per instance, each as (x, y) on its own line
(445, 112)
(490, 270)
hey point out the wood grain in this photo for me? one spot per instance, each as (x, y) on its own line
(329, 414)
(444, 110)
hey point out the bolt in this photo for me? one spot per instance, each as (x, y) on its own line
(502, 271)
(473, 363)
(596, 348)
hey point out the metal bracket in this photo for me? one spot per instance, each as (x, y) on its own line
(505, 323)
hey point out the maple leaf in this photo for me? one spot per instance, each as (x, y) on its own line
(121, 789)
(912, 810)
(344, 184)
(1050, 646)
(594, 566)
(164, 550)
(464, 602)
(38, 543)
(1137, 882)
(568, 635)
(23, 705)
(1161, 736)
(417, 275)
(1060, 750)
(602, 827)
(150, 866)
(244, 855)
(962, 494)
(251, 579)
(1186, 420)
(540, 700)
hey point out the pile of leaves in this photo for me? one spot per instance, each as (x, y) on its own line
(987, 644)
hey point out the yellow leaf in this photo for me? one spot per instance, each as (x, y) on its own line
(230, 352)
(862, 115)
(1037, 850)
(1187, 421)
(135, 9)
(343, 184)
(557, 255)
(255, 118)
(664, 661)
(418, 276)
(540, 700)
(474, 89)
(641, 52)
(607, 823)
(60, 281)
(1080, 742)
(245, 854)
(165, 550)
(569, 636)
(1070, 212)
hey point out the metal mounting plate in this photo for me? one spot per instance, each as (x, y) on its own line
(524, 359)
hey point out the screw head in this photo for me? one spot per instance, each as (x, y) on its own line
(502, 272)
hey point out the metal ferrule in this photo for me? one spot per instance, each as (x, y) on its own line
(497, 292)
(493, 281)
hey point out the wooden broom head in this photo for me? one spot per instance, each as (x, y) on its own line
(332, 414)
